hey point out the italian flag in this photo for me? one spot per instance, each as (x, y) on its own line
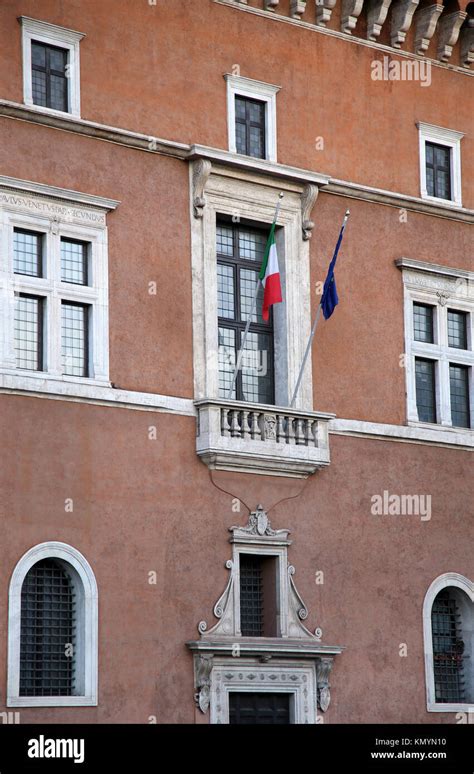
(270, 276)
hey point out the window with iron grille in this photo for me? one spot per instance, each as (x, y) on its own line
(448, 649)
(49, 76)
(47, 642)
(438, 170)
(240, 251)
(258, 600)
(250, 128)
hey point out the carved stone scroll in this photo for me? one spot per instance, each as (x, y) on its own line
(297, 8)
(402, 15)
(201, 171)
(376, 14)
(323, 670)
(323, 11)
(449, 28)
(426, 20)
(202, 680)
(350, 13)
(308, 200)
(467, 45)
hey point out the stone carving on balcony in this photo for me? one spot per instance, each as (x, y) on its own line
(308, 200)
(426, 20)
(350, 13)
(297, 8)
(402, 15)
(449, 28)
(324, 9)
(467, 44)
(201, 171)
(261, 439)
(377, 11)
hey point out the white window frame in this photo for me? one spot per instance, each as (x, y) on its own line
(264, 92)
(51, 34)
(86, 655)
(450, 138)
(443, 288)
(291, 320)
(55, 214)
(446, 580)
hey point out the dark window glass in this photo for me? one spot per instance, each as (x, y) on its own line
(240, 251)
(74, 261)
(423, 323)
(258, 600)
(459, 385)
(49, 76)
(438, 170)
(448, 649)
(47, 628)
(29, 332)
(75, 336)
(457, 329)
(259, 708)
(27, 253)
(425, 390)
(250, 127)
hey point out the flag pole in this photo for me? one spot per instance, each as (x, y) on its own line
(313, 329)
(252, 309)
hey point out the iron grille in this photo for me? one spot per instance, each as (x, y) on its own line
(47, 628)
(448, 649)
(251, 596)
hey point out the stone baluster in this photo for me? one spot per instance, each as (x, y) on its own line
(234, 424)
(245, 426)
(225, 427)
(281, 429)
(254, 428)
(290, 433)
(314, 433)
(300, 439)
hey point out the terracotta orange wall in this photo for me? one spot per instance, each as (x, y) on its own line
(158, 70)
(135, 512)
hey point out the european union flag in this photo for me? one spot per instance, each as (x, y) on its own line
(330, 299)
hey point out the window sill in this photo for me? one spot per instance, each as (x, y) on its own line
(435, 707)
(438, 200)
(267, 440)
(52, 111)
(52, 701)
(25, 380)
(438, 427)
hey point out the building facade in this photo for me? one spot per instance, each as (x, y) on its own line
(174, 550)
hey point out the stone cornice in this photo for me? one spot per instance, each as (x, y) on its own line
(53, 192)
(434, 268)
(232, 161)
(277, 647)
(318, 28)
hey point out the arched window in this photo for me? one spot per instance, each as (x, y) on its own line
(52, 644)
(448, 616)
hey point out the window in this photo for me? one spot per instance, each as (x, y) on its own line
(53, 271)
(251, 116)
(258, 600)
(240, 253)
(439, 327)
(250, 127)
(48, 630)
(440, 163)
(51, 67)
(448, 624)
(52, 637)
(259, 708)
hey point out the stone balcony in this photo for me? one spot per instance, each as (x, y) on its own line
(256, 438)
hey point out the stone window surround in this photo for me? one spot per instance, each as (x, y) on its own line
(292, 677)
(449, 579)
(240, 193)
(444, 288)
(450, 139)
(86, 657)
(53, 35)
(264, 92)
(55, 213)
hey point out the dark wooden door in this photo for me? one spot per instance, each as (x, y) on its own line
(259, 708)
